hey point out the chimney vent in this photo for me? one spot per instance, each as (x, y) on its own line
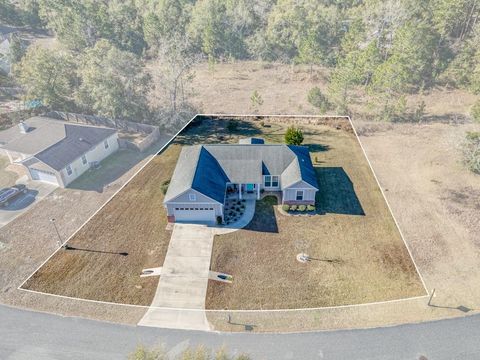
(23, 127)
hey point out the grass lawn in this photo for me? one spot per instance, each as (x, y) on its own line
(134, 222)
(357, 253)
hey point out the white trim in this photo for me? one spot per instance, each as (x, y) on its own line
(189, 189)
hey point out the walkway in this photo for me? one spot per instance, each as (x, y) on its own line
(179, 302)
(184, 280)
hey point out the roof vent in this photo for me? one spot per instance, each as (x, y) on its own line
(23, 127)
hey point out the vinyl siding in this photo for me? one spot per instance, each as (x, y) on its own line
(98, 153)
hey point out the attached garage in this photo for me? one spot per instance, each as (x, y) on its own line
(200, 213)
(44, 175)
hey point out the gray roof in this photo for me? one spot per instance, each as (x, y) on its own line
(78, 140)
(207, 168)
(54, 142)
(43, 133)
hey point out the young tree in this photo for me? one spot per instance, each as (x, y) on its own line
(317, 99)
(293, 136)
(475, 111)
(256, 100)
(113, 83)
(48, 76)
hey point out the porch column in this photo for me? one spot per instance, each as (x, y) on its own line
(258, 191)
(240, 191)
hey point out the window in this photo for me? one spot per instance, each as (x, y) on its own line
(105, 143)
(268, 181)
(69, 170)
(192, 197)
(271, 181)
(84, 160)
(274, 181)
(299, 195)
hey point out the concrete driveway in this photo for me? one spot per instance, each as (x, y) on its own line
(36, 191)
(183, 280)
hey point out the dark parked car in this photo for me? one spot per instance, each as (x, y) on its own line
(9, 194)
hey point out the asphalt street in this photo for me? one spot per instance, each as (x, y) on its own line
(30, 335)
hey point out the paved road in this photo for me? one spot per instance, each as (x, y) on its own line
(29, 335)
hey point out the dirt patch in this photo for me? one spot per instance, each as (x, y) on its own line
(358, 255)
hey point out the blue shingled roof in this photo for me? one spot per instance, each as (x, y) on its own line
(209, 178)
(305, 163)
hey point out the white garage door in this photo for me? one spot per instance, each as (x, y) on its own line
(44, 176)
(204, 213)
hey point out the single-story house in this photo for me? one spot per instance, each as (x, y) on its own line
(205, 175)
(55, 151)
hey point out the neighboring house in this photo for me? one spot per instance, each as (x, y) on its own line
(54, 151)
(6, 34)
(206, 175)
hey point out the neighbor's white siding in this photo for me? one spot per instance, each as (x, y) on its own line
(97, 154)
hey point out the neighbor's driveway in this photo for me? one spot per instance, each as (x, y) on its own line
(183, 281)
(36, 191)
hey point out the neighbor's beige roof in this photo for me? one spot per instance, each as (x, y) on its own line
(46, 133)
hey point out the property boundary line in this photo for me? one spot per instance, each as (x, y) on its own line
(234, 311)
(390, 209)
(108, 200)
(147, 307)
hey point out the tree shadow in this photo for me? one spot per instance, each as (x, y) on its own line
(336, 193)
(264, 219)
(111, 169)
(211, 130)
(313, 148)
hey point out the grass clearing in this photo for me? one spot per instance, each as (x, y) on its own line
(358, 255)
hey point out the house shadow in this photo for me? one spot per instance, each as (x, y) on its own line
(264, 219)
(111, 169)
(336, 193)
(213, 130)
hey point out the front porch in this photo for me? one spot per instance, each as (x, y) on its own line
(242, 192)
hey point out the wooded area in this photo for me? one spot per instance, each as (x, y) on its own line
(387, 49)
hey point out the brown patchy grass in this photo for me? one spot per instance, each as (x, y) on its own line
(362, 258)
(7, 178)
(134, 222)
(357, 258)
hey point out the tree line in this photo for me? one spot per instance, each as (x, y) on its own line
(387, 48)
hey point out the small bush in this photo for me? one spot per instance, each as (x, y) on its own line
(302, 207)
(293, 136)
(164, 186)
(285, 207)
(471, 151)
(311, 208)
(475, 111)
(317, 99)
(293, 208)
(219, 220)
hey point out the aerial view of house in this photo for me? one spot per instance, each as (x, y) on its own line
(206, 175)
(54, 151)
